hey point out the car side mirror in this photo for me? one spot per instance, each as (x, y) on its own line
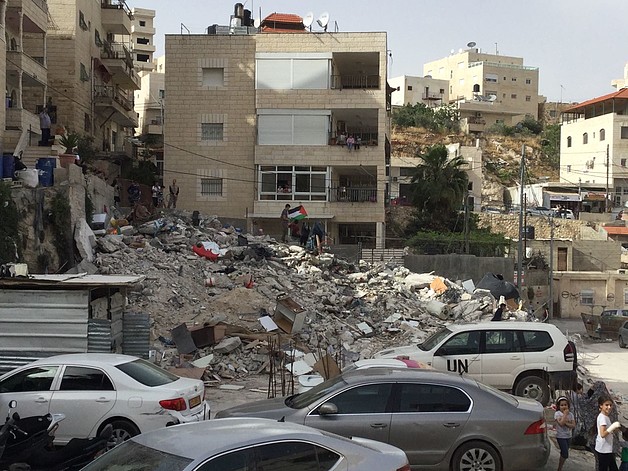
(12, 404)
(329, 408)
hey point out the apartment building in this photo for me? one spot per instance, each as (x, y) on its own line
(410, 90)
(594, 145)
(402, 169)
(91, 72)
(254, 122)
(622, 82)
(150, 102)
(142, 36)
(488, 88)
(24, 70)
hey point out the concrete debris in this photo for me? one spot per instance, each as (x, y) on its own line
(342, 309)
(85, 240)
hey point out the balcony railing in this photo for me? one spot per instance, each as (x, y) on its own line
(105, 91)
(340, 82)
(113, 50)
(347, 194)
(117, 5)
(41, 4)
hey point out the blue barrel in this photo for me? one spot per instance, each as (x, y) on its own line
(46, 167)
(8, 166)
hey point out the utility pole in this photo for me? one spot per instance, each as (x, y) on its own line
(466, 223)
(607, 170)
(520, 244)
(551, 268)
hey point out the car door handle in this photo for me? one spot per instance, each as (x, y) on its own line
(451, 424)
(103, 399)
(379, 425)
(515, 357)
(41, 400)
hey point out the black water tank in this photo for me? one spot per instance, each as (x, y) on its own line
(528, 232)
(238, 10)
(246, 19)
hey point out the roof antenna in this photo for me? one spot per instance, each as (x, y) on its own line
(323, 21)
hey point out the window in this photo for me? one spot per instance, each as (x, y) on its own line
(491, 78)
(213, 77)
(367, 399)
(293, 127)
(470, 186)
(514, 79)
(142, 57)
(97, 38)
(513, 96)
(568, 141)
(502, 341)
(211, 186)
(585, 138)
(142, 23)
(32, 379)
(587, 297)
(82, 22)
(432, 398)
(528, 81)
(568, 168)
(536, 341)
(143, 41)
(622, 162)
(624, 132)
(146, 373)
(162, 94)
(76, 378)
(286, 182)
(442, 91)
(407, 171)
(552, 113)
(602, 134)
(212, 131)
(84, 74)
(285, 73)
(465, 343)
(528, 98)
(625, 296)
(409, 88)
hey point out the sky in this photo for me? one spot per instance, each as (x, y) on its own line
(579, 46)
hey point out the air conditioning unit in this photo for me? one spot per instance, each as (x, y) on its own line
(621, 271)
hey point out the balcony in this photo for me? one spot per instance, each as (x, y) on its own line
(343, 82)
(142, 29)
(118, 60)
(34, 72)
(116, 17)
(347, 194)
(154, 127)
(114, 102)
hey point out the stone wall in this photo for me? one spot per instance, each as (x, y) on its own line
(461, 267)
(508, 224)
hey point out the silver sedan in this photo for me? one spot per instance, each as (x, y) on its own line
(250, 444)
(441, 420)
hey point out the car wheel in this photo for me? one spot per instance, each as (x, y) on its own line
(535, 388)
(622, 344)
(122, 431)
(476, 456)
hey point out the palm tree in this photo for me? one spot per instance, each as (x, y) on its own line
(439, 184)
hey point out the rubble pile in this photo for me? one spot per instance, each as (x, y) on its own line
(356, 309)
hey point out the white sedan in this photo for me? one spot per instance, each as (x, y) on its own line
(96, 389)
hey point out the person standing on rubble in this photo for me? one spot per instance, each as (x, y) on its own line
(499, 312)
(285, 221)
(174, 194)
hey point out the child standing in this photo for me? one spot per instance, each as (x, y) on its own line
(624, 449)
(604, 438)
(565, 423)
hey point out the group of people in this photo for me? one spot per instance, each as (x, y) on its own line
(301, 230)
(134, 192)
(350, 141)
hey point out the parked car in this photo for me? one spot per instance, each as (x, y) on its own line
(491, 210)
(539, 211)
(564, 214)
(527, 358)
(441, 420)
(307, 382)
(623, 335)
(96, 389)
(248, 445)
(614, 312)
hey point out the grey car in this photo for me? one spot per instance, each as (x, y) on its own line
(623, 335)
(441, 420)
(248, 445)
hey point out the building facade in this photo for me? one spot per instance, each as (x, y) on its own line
(257, 121)
(409, 90)
(150, 102)
(488, 89)
(142, 36)
(594, 145)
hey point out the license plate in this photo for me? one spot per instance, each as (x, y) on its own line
(195, 401)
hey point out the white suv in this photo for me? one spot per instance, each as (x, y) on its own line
(528, 358)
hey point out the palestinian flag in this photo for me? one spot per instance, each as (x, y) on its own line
(297, 213)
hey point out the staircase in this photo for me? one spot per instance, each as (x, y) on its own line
(32, 153)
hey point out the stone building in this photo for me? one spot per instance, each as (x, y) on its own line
(409, 90)
(256, 120)
(488, 88)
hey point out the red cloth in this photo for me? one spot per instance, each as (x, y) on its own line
(203, 252)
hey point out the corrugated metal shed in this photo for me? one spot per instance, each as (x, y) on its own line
(136, 334)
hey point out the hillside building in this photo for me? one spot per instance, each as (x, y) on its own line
(257, 120)
(142, 36)
(410, 90)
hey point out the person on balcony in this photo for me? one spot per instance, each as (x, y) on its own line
(350, 142)
(342, 139)
(44, 124)
(358, 142)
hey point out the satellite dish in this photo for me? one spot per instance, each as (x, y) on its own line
(323, 20)
(471, 44)
(257, 22)
(309, 19)
(452, 51)
(492, 97)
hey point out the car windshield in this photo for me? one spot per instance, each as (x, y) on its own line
(299, 401)
(434, 339)
(146, 373)
(500, 394)
(131, 456)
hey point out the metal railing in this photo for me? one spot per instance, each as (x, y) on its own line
(340, 82)
(117, 5)
(353, 195)
(107, 91)
(113, 50)
(41, 4)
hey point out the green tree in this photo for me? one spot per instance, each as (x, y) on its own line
(550, 143)
(439, 185)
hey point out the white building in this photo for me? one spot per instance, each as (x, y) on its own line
(412, 90)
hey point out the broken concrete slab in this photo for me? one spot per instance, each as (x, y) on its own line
(228, 345)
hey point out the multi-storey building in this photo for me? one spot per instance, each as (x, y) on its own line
(150, 107)
(91, 71)
(142, 34)
(409, 90)
(594, 144)
(25, 76)
(254, 122)
(488, 88)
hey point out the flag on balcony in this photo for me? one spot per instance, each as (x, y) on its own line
(297, 213)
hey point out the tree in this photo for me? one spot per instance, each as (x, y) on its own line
(439, 185)
(550, 143)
